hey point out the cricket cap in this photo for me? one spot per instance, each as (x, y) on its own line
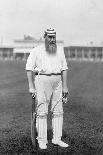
(49, 32)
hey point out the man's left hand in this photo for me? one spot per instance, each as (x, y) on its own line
(65, 94)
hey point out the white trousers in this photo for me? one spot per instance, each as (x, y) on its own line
(49, 90)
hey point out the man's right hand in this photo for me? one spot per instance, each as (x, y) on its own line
(33, 92)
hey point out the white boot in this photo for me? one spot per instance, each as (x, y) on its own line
(42, 131)
(57, 123)
(60, 143)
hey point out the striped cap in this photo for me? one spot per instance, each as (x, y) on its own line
(50, 32)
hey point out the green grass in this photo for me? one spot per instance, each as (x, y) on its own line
(83, 114)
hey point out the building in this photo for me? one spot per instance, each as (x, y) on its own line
(22, 47)
(6, 52)
(88, 52)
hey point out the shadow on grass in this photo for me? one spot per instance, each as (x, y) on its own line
(22, 145)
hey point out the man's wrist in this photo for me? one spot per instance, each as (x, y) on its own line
(65, 94)
(31, 85)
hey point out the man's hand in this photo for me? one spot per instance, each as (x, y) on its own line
(65, 94)
(65, 89)
(33, 92)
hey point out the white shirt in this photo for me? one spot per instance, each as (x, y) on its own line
(41, 61)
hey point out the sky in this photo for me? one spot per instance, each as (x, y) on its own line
(75, 21)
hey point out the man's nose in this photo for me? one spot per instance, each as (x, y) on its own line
(52, 39)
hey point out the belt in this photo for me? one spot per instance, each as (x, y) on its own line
(48, 74)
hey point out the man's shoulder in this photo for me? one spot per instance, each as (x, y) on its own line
(41, 46)
(60, 48)
(37, 49)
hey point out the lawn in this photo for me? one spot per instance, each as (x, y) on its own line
(83, 114)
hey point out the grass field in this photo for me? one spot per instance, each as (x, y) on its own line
(83, 114)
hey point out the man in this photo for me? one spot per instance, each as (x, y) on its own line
(49, 66)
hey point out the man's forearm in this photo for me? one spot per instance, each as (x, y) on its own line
(30, 79)
(64, 79)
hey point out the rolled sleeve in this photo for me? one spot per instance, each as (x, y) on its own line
(31, 61)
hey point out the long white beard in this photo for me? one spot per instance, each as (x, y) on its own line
(51, 48)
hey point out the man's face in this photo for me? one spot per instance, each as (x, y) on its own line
(50, 42)
(51, 39)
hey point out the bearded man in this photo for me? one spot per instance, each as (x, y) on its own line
(48, 64)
